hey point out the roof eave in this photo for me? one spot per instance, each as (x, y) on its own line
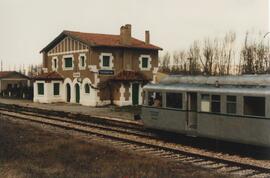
(129, 47)
(48, 79)
(60, 37)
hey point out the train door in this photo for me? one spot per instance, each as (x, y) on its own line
(77, 93)
(192, 111)
(135, 93)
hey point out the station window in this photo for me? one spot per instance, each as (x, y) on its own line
(215, 103)
(205, 103)
(40, 87)
(56, 89)
(174, 100)
(82, 61)
(145, 62)
(231, 104)
(86, 88)
(254, 106)
(68, 62)
(55, 63)
(155, 99)
(106, 61)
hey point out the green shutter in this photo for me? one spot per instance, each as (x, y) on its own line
(56, 89)
(68, 62)
(40, 88)
(106, 61)
(82, 60)
(145, 62)
(87, 88)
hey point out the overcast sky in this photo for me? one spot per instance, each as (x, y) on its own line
(29, 25)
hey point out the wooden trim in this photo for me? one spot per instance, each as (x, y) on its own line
(68, 52)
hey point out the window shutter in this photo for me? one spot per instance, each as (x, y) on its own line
(68, 62)
(106, 61)
(40, 88)
(56, 88)
(87, 88)
(144, 62)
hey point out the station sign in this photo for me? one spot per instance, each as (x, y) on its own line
(106, 72)
(76, 74)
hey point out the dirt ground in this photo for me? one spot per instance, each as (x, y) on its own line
(30, 151)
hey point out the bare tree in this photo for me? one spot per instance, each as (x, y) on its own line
(193, 59)
(165, 62)
(176, 61)
(225, 53)
(254, 57)
(207, 57)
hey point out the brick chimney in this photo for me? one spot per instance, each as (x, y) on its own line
(147, 37)
(125, 34)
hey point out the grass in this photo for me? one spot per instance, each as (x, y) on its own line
(28, 151)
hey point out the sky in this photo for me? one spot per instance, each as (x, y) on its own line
(29, 25)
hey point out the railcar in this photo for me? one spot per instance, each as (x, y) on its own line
(229, 108)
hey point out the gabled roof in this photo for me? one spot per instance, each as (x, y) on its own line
(11, 74)
(99, 40)
(49, 76)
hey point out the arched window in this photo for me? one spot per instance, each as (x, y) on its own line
(87, 88)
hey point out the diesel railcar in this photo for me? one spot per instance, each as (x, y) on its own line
(229, 108)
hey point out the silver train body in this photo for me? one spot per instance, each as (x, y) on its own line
(233, 108)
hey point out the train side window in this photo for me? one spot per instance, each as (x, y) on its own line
(174, 100)
(205, 103)
(215, 103)
(231, 104)
(155, 99)
(254, 106)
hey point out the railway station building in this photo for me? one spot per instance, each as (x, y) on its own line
(96, 69)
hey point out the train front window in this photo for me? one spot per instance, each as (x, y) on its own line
(205, 103)
(215, 104)
(254, 106)
(231, 104)
(174, 100)
(155, 99)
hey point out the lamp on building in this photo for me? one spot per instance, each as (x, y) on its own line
(79, 80)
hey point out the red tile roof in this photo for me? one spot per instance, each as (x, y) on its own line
(49, 76)
(130, 76)
(100, 40)
(9, 74)
(4, 74)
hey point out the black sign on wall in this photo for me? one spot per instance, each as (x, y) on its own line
(106, 72)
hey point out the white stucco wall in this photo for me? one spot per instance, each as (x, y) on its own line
(86, 99)
(48, 96)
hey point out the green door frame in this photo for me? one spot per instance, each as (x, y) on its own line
(77, 93)
(135, 93)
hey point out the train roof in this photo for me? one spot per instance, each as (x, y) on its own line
(208, 89)
(246, 84)
(222, 80)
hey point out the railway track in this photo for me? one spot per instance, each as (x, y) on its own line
(140, 141)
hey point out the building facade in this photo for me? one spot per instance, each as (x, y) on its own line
(96, 69)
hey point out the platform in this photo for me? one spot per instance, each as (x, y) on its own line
(113, 112)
